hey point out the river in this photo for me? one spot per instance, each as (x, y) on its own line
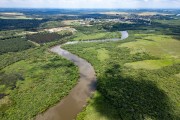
(71, 105)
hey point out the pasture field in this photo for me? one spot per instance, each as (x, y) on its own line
(32, 83)
(13, 15)
(95, 36)
(158, 45)
(71, 22)
(137, 77)
(52, 24)
(16, 16)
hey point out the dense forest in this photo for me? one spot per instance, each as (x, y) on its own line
(20, 24)
(14, 45)
(45, 37)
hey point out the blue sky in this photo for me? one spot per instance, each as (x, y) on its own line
(90, 3)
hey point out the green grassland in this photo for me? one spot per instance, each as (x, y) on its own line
(137, 78)
(152, 64)
(95, 36)
(159, 45)
(52, 24)
(14, 17)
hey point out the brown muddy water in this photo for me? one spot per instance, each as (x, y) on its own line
(71, 105)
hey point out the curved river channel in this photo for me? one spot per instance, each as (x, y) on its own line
(71, 105)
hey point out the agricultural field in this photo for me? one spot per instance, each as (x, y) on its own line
(71, 22)
(137, 78)
(13, 15)
(151, 14)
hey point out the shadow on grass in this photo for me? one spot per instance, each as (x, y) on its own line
(131, 99)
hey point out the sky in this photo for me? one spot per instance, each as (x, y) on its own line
(90, 4)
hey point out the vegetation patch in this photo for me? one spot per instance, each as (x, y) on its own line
(90, 112)
(158, 45)
(178, 75)
(52, 24)
(95, 36)
(151, 64)
(103, 55)
(14, 45)
(45, 37)
(128, 93)
(12, 24)
(34, 84)
(13, 16)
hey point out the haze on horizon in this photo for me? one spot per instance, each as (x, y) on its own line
(90, 4)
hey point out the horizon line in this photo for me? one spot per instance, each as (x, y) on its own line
(78, 8)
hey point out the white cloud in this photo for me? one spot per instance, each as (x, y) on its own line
(91, 3)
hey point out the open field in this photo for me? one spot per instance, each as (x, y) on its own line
(71, 22)
(151, 14)
(13, 15)
(114, 13)
(52, 24)
(158, 45)
(133, 83)
(152, 64)
(95, 36)
(61, 29)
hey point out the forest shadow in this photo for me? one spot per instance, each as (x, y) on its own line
(131, 99)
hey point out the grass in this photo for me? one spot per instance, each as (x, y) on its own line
(52, 24)
(91, 113)
(103, 55)
(178, 75)
(32, 85)
(71, 22)
(152, 64)
(157, 45)
(125, 92)
(95, 36)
